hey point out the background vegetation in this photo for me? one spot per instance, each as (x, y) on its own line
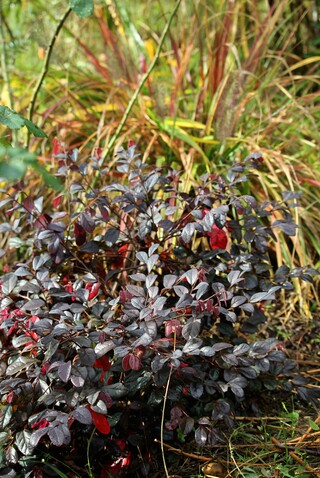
(232, 77)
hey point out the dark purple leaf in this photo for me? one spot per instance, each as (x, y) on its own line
(196, 390)
(201, 436)
(191, 329)
(8, 283)
(235, 277)
(142, 257)
(201, 289)
(180, 290)
(56, 435)
(250, 200)
(11, 456)
(77, 381)
(288, 228)
(237, 300)
(64, 371)
(220, 346)
(151, 262)
(192, 346)
(83, 415)
(186, 425)
(111, 236)
(23, 442)
(87, 222)
(104, 347)
(240, 349)
(191, 276)
(187, 232)
(221, 408)
(37, 435)
(92, 247)
(151, 181)
(169, 280)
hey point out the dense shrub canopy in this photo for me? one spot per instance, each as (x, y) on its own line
(136, 296)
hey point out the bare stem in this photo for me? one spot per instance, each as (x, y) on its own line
(140, 86)
(5, 72)
(45, 68)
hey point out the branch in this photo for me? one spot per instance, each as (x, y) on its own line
(140, 86)
(5, 73)
(45, 68)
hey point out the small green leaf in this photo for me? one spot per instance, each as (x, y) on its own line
(10, 118)
(82, 8)
(4, 142)
(14, 163)
(12, 170)
(48, 178)
(313, 425)
(34, 129)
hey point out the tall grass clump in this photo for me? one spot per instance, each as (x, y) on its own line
(231, 78)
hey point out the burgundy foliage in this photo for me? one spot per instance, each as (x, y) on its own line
(123, 287)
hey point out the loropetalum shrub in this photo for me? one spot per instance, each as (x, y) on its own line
(127, 292)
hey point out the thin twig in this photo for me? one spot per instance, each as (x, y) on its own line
(261, 419)
(45, 68)
(184, 453)
(5, 72)
(295, 457)
(307, 434)
(140, 86)
(162, 424)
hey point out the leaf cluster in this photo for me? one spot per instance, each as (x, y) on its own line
(129, 289)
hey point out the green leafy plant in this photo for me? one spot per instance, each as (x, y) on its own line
(13, 120)
(131, 311)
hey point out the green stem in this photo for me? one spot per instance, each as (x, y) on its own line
(5, 72)
(162, 424)
(140, 86)
(45, 68)
(88, 454)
